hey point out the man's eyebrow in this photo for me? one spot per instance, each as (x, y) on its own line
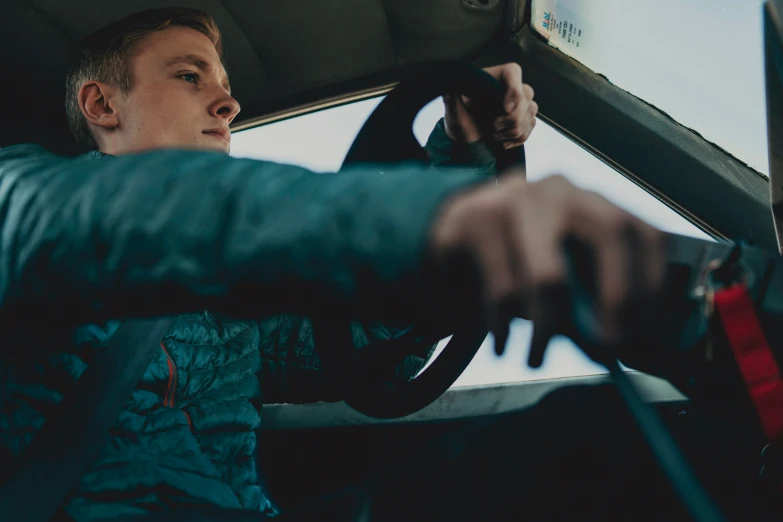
(197, 62)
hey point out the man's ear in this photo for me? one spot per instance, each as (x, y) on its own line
(96, 100)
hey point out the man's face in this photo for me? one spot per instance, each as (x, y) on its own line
(180, 96)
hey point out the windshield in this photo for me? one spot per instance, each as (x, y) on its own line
(319, 141)
(700, 61)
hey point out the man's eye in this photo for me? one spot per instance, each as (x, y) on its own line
(190, 78)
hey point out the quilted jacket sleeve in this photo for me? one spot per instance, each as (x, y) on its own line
(444, 152)
(171, 231)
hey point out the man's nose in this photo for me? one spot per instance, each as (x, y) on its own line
(225, 107)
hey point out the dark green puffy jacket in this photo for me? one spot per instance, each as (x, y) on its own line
(248, 249)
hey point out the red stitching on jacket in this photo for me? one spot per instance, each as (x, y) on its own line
(168, 398)
(171, 388)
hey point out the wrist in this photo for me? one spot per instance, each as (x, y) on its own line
(459, 125)
(445, 151)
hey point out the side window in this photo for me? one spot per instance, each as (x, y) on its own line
(320, 140)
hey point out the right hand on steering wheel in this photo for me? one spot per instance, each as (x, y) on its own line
(513, 236)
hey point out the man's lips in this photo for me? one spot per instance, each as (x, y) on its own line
(223, 134)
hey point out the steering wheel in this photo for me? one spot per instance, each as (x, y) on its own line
(386, 137)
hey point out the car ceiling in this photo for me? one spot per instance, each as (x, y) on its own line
(274, 50)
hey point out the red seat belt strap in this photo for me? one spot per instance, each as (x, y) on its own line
(755, 360)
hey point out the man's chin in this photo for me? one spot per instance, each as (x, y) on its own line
(216, 145)
(225, 150)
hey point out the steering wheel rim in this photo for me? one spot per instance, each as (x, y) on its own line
(387, 136)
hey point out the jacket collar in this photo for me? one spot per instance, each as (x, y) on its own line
(94, 154)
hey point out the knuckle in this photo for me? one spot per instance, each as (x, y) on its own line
(488, 209)
(515, 132)
(528, 91)
(557, 182)
(501, 209)
(616, 297)
(513, 68)
(534, 108)
(548, 275)
(500, 290)
(516, 92)
(515, 186)
(652, 237)
(617, 222)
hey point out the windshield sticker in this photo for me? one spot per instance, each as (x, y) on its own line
(562, 27)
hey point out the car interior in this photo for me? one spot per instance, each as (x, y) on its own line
(286, 59)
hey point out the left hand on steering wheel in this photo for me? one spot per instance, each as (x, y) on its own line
(511, 129)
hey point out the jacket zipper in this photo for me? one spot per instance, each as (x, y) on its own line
(168, 398)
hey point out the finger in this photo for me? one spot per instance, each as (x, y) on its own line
(611, 234)
(649, 265)
(500, 72)
(539, 232)
(541, 265)
(517, 117)
(503, 122)
(518, 98)
(519, 131)
(538, 344)
(532, 110)
(496, 274)
(537, 238)
(511, 76)
(518, 136)
(514, 133)
(646, 263)
(515, 128)
(615, 282)
(551, 301)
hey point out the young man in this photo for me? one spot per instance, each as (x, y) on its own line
(156, 219)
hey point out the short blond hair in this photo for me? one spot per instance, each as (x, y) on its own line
(106, 56)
